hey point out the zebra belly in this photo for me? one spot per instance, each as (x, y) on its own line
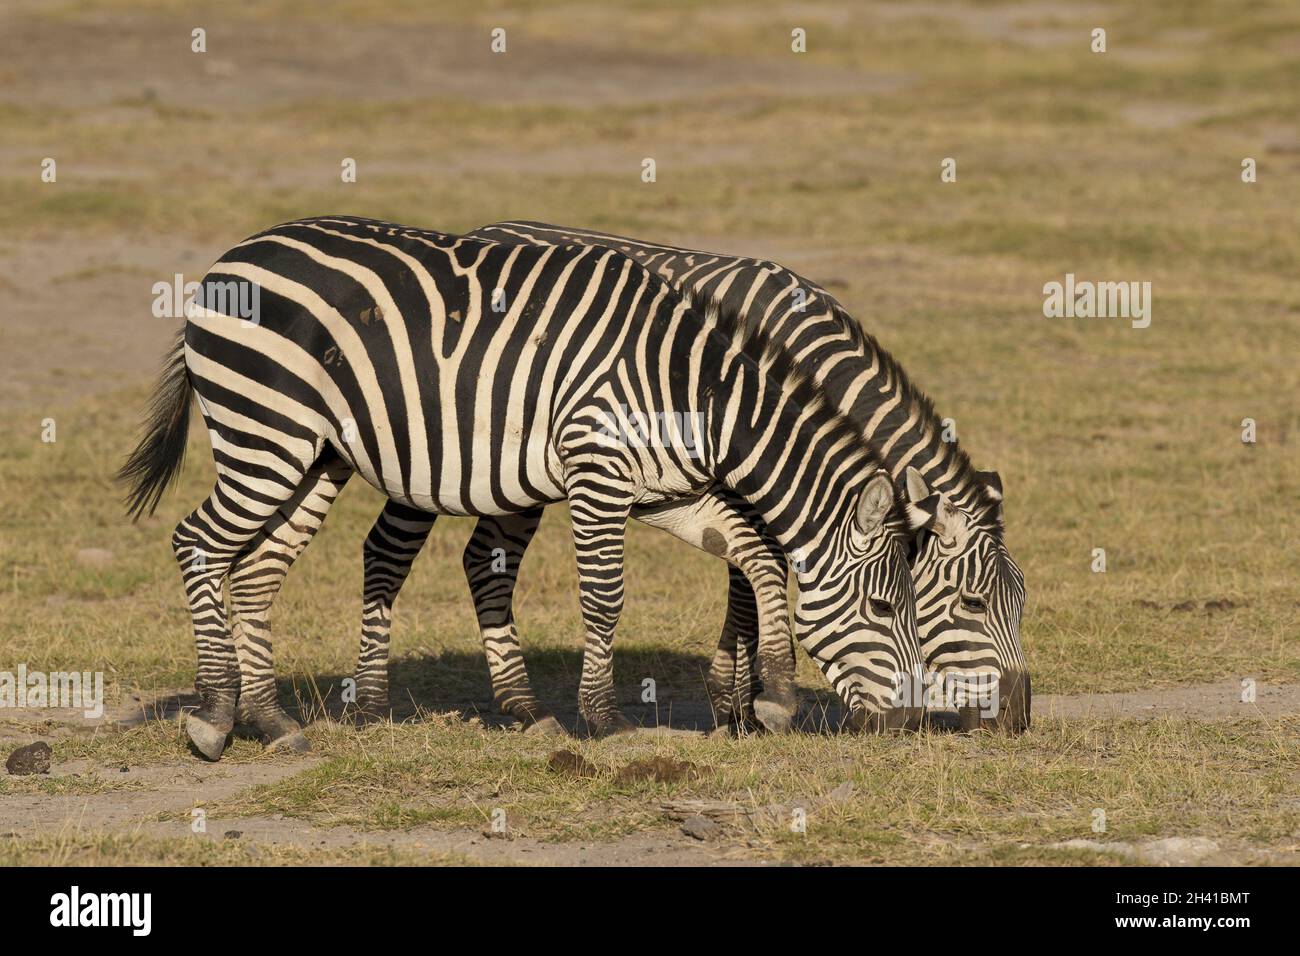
(485, 476)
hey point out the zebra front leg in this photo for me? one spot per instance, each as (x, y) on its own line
(254, 583)
(599, 510)
(492, 558)
(395, 539)
(758, 616)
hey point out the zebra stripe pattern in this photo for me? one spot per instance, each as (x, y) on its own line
(462, 376)
(970, 593)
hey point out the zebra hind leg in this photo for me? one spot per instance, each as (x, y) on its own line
(207, 543)
(492, 558)
(254, 583)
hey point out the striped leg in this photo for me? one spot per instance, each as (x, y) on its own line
(732, 681)
(394, 541)
(491, 560)
(758, 616)
(254, 583)
(207, 544)
(598, 507)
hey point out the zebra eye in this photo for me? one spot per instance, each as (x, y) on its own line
(881, 608)
(975, 605)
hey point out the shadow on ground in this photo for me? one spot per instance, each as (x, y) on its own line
(655, 690)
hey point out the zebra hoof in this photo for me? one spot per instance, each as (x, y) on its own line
(775, 716)
(209, 740)
(270, 721)
(295, 742)
(611, 726)
(545, 727)
(367, 716)
(861, 720)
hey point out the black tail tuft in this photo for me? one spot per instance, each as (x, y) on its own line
(156, 461)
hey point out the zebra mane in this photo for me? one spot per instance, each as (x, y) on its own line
(774, 359)
(987, 508)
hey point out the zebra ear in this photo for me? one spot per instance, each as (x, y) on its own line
(992, 482)
(874, 502)
(918, 488)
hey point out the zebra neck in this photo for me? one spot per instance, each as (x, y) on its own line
(799, 469)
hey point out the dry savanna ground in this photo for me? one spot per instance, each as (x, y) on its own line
(1117, 166)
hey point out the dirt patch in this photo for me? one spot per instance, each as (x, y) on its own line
(1179, 851)
(258, 65)
(79, 321)
(657, 770)
(1218, 701)
(567, 763)
(171, 787)
(666, 848)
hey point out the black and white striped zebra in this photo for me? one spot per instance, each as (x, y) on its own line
(970, 592)
(378, 350)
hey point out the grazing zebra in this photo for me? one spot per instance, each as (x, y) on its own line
(463, 376)
(969, 590)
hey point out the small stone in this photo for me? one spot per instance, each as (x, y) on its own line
(233, 834)
(700, 828)
(34, 758)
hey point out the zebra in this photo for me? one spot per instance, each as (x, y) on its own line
(464, 376)
(969, 590)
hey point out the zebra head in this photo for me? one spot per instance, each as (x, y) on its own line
(856, 611)
(969, 597)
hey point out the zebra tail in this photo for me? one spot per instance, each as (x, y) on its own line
(156, 461)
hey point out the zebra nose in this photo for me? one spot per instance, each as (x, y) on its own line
(1014, 706)
(1015, 714)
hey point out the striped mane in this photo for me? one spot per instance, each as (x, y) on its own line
(755, 340)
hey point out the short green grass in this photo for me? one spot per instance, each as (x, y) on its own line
(1122, 166)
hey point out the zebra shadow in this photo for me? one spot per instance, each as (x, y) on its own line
(661, 691)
